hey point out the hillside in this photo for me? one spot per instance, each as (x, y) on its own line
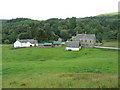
(109, 14)
(103, 26)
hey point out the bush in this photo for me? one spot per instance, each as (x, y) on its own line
(7, 41)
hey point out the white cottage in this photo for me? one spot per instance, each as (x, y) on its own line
(73, 45)
(25, 43)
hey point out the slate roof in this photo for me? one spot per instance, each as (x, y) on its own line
(84, 36)
(28, 40)
(74, 44)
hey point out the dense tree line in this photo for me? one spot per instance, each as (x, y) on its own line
(104, 27)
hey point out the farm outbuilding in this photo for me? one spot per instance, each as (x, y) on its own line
(73, 45)
(48, 45)
(45, 45)
(63, 43)
(25, 43)
(41, 45)
(57, 44)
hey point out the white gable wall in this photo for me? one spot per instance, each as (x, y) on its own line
(19, 44)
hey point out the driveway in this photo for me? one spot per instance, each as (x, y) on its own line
(116, 48)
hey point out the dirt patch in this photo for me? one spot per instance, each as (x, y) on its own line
(77, 73)
(42, 59)
(23, 84)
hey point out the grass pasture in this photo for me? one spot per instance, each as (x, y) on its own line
(56, 68)
(110, 44)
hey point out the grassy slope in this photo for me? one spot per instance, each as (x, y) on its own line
(23, 68)
(109, 14)
(110, 44)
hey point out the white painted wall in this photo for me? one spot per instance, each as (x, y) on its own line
(36, 44)
(19, 44)
(73, 49)
(28, 44)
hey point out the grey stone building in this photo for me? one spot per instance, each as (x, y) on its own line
(73, 45)
(86, 40)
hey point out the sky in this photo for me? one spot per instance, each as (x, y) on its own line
(46, 9)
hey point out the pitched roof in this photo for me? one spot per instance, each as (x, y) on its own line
(28, 40)
(74, 44)
(84, 36)
(47, 43)
(56, 42)
(41, 44)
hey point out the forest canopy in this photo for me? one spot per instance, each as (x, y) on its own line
(105, 27)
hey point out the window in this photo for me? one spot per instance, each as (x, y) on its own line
(85, 40)
(90, 41)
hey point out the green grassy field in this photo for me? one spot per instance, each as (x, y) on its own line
(110, 44)
(56, 68)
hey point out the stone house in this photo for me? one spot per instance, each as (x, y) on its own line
(86, 40)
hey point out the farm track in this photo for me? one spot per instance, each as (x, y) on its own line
(115, 48)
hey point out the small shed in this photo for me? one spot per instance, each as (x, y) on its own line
(63, 43)
(48, 45)
(45, 45)
(41, 45)
(57, 44)
(73, 45)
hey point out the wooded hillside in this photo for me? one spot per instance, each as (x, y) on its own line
(105, 27)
